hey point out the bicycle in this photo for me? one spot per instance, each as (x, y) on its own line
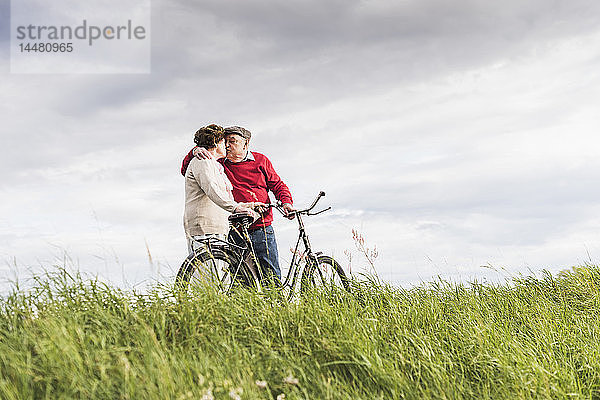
(229, 263)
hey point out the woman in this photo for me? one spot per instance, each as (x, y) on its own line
(208, 198)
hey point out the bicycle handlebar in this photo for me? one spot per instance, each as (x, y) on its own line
(306, 211)
(321, 194)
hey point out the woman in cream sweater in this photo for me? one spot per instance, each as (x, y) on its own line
(208, 197)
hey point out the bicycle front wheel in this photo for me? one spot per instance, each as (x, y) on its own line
(325, 273)
(217, 267)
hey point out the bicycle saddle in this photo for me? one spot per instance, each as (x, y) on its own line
(241, 219)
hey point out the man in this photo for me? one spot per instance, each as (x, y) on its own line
(252, 176)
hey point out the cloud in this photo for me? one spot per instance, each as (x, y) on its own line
(300, 51)
(453, 135)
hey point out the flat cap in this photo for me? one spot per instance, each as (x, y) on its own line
(238, 130)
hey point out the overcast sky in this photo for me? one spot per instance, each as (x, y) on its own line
(453, 134)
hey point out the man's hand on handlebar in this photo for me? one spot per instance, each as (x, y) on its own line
(289, 211)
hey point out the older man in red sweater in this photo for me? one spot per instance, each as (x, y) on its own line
(252, 176)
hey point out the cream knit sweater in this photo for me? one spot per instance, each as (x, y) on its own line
(208, 199)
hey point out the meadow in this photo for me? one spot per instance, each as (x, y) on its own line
(70, 337)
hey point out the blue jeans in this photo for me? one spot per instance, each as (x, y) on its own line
(265, 248)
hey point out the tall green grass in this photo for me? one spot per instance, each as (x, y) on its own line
(531, 338)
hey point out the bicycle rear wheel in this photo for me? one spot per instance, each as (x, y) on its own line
(216, 267)
(325, 273)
